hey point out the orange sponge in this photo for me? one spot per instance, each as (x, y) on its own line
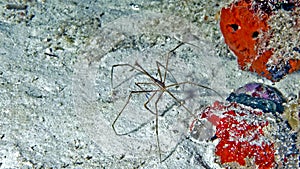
(247, 33)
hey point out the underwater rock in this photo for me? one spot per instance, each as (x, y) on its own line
(250, 129)
(240, 131)
(253, 30)
(258, 95)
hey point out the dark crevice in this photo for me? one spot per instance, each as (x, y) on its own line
(234, 27)
(255, 34)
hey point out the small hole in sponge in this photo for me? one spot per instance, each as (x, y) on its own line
(255, 34)
(234, 27)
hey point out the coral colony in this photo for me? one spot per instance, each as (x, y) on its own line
(257, 126)
(264, 35)
(250, 129)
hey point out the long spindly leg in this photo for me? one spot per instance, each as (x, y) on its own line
(148, 101)
(119, 65)
(180, 102)
(139, 85)
(151, 97)
(158, 71)
(156, 124)
(156, 111)
(195, 84)
(183, 137)
(158, 64)
(191, 83)
(167, 61)
(125, 105)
